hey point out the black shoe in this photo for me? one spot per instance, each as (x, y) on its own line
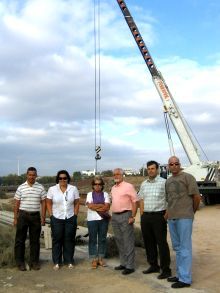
(151, 270)
(119, 268)
(173, 279)
(127, 271)
(35, 266)
(22, 267)
(180, 285)
(164, 275)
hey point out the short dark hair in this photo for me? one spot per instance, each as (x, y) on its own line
(98, 178)
(33, 169)
(63, 172)
(149, 163)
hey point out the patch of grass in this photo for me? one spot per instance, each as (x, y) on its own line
(3, 194)
(81, 219)
(8, 206)
(7, 237)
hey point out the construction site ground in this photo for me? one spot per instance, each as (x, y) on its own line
(83, 279)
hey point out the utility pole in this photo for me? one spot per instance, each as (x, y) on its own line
(18, 167)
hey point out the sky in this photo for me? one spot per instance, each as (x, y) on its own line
(47, 82)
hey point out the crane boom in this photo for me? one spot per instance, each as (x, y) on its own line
(170, 105)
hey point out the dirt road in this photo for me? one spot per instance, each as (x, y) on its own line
(82, 279)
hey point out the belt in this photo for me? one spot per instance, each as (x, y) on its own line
(119, 213)
(156, 213)
(29, 213)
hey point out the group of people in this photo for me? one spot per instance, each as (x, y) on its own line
(174, 200)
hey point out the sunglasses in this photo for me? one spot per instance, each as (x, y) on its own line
(97, 184)
(62, 178)
(66, 196)
(174, 164)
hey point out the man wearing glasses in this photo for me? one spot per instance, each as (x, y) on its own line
(183, 200)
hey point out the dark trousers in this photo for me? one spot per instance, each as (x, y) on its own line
(63, 239)
(97, 238)
(154, 231)
(27, 221)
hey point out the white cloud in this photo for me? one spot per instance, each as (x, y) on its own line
(47, 88)
(204, 118)
(27, 131)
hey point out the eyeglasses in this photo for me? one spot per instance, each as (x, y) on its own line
(66, 196)
(174, 164)
(62, 178)
(97, 184)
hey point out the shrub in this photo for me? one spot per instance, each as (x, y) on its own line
(7, 236)
(3, 194)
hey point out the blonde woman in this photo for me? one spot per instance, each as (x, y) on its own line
(98, 204)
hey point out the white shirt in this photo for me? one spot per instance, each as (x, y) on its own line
(63, 203)
(93, 215)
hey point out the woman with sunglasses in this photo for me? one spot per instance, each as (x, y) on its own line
(63, 208)
(98, 204)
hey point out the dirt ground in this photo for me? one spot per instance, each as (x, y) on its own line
(83, 279)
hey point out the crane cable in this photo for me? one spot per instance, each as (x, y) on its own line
(172, 152)
(97, 81)
(170, 141)
(195, 139)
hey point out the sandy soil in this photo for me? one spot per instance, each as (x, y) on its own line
(82, 279)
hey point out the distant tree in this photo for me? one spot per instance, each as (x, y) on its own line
(143, 171)
(77, 175)
(47, 180)
(107, 173)
(12, 179)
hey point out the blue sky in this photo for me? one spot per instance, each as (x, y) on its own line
(183, 28)
(47, 82)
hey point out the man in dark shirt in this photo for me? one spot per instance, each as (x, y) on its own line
(183, 200)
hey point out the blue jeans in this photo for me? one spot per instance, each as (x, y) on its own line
(181, 237)
(63, 239)
(97, 237)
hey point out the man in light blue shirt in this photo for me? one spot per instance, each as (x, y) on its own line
(153, 224)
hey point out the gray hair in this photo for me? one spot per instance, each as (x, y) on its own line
(118, 169)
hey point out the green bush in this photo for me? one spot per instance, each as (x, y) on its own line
(3, 194)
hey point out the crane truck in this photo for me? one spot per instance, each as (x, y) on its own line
(206, 173)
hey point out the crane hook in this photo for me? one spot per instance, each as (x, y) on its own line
(98, 150)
